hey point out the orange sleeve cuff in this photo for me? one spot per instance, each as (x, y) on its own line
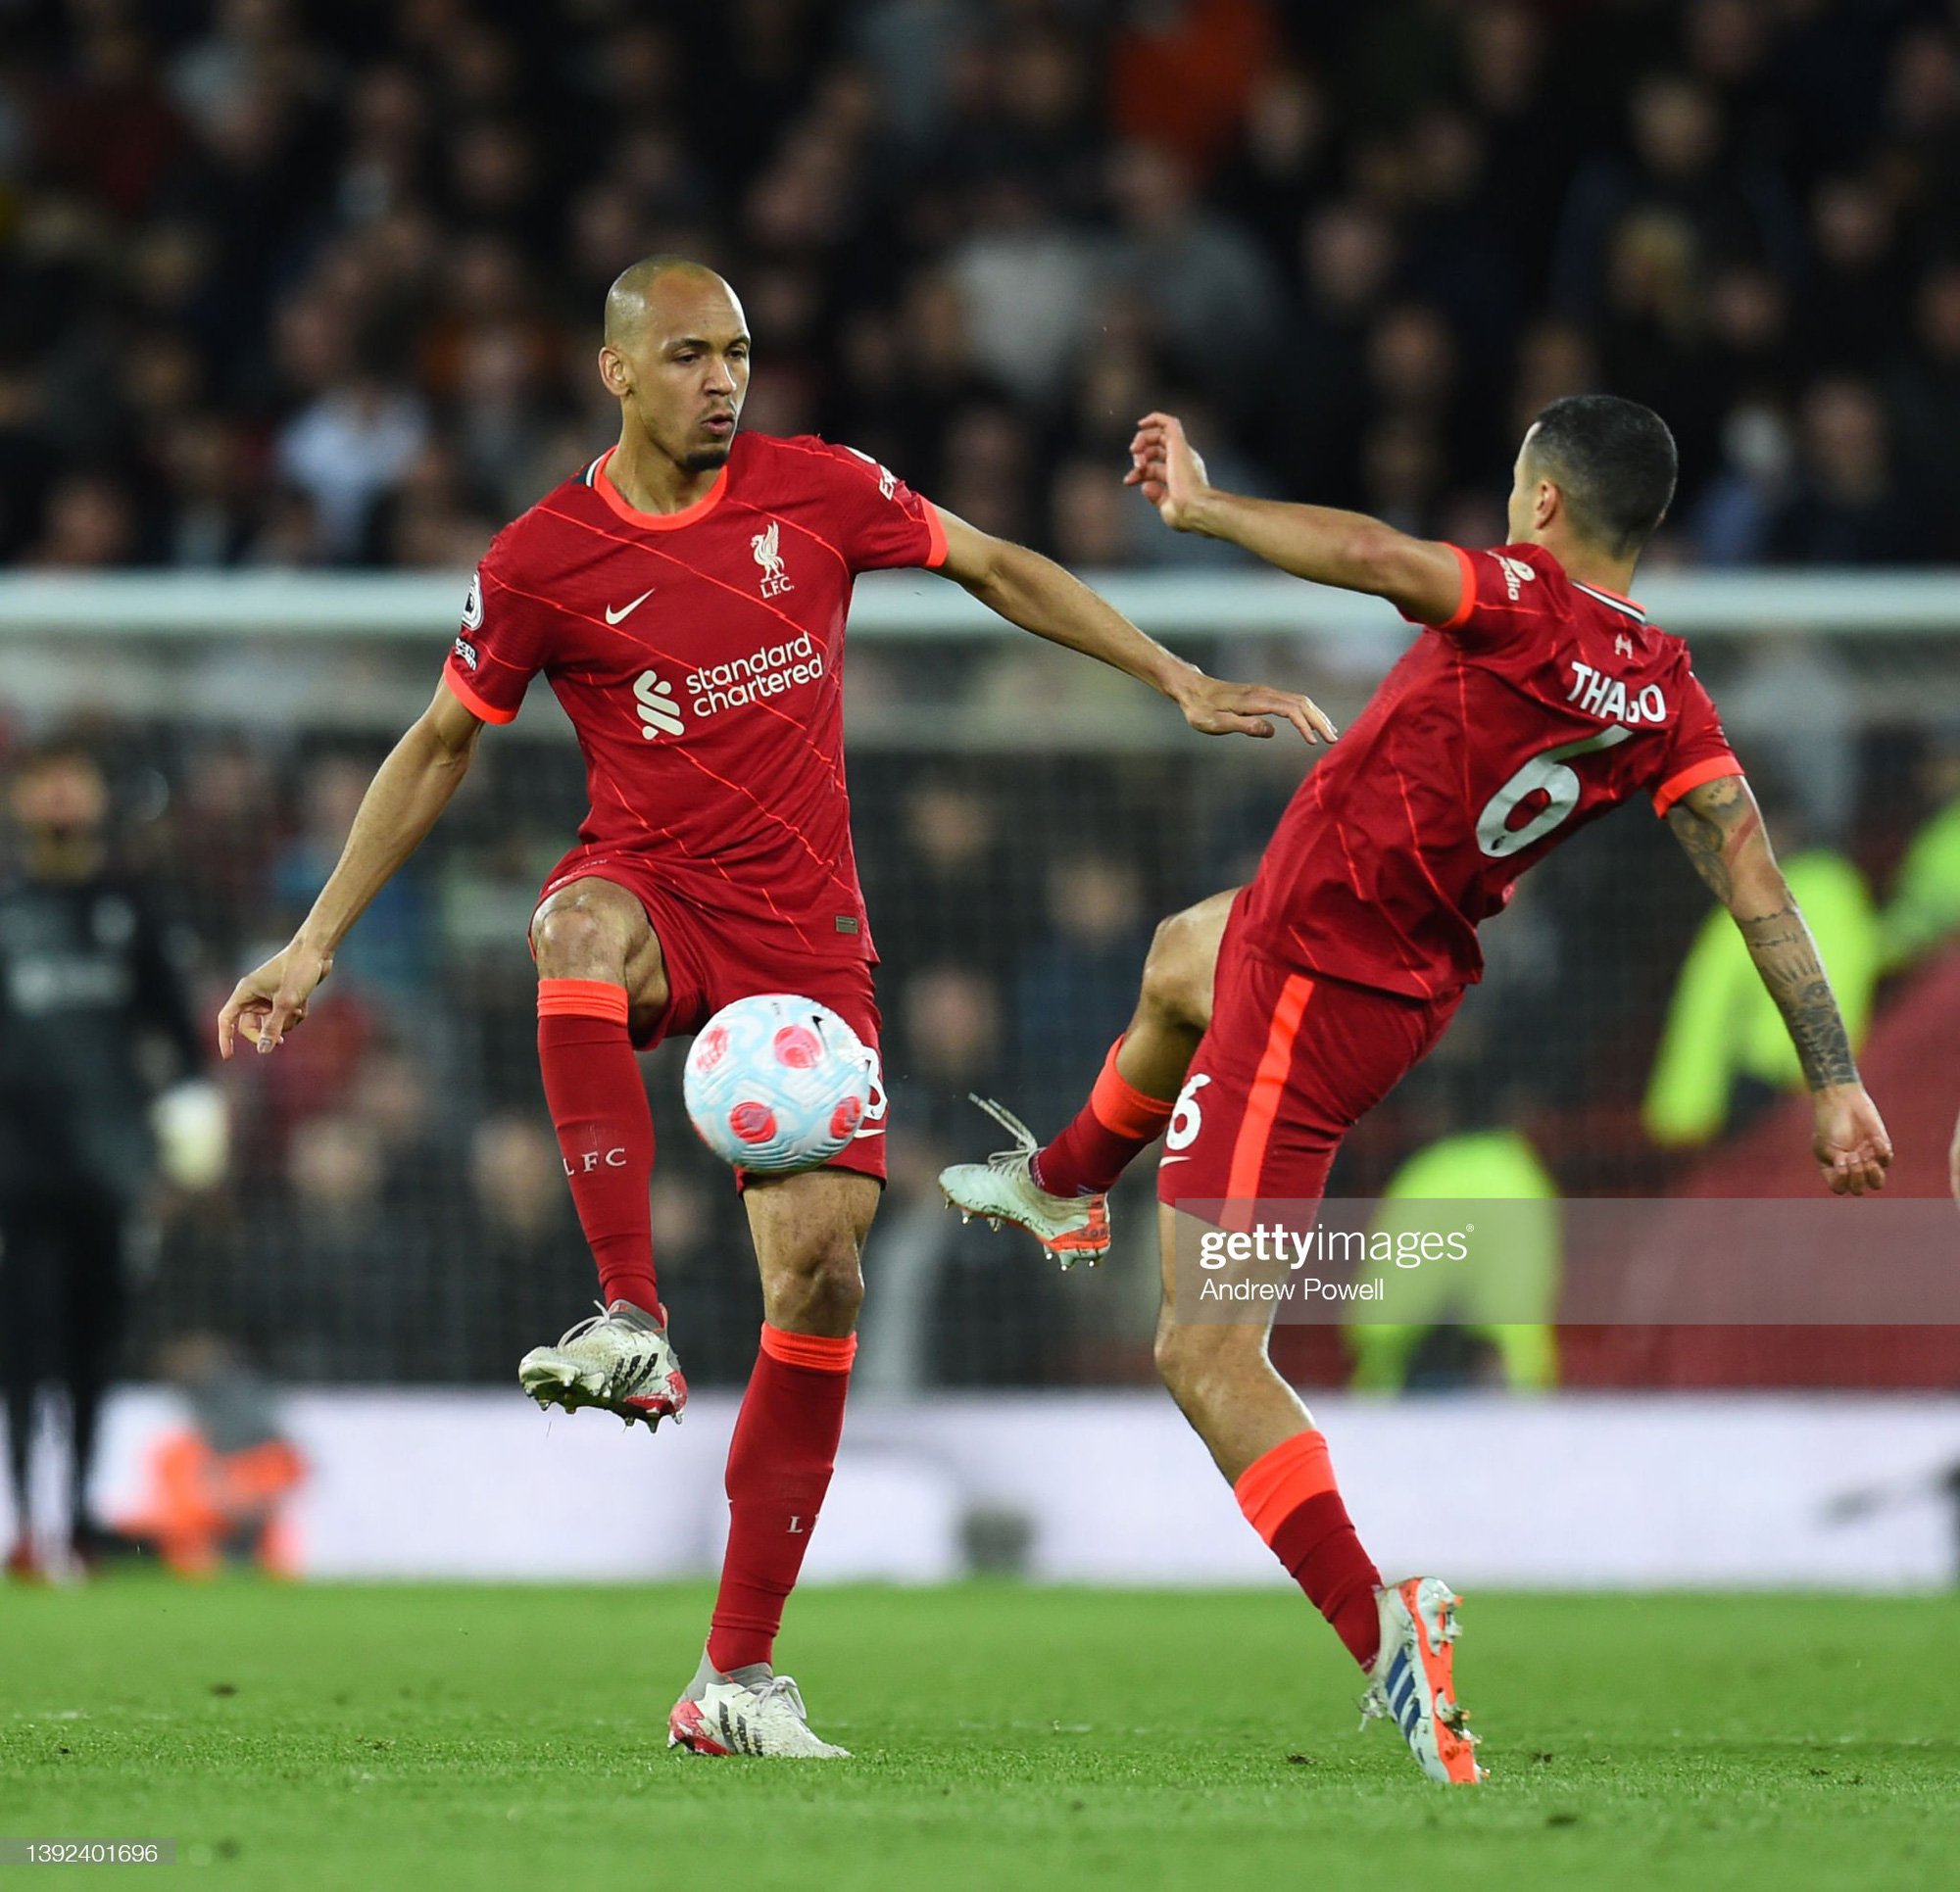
(1691, 778)
(464, 694)
(582, 998)
(1466, 602)
(1272, 1489)
(935, 527)
(819, 1352)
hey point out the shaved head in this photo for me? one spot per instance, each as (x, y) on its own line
(676, 358)
(640, 288)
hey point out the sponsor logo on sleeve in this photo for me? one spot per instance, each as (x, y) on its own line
(465, 654)
(1517, 575)
(888, 483)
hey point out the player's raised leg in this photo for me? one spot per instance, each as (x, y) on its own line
(1058, 1191)
(600, 975)
(810, 1230)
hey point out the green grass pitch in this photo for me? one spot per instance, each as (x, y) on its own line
(436, 1737)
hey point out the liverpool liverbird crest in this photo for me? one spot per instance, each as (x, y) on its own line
(775, 580)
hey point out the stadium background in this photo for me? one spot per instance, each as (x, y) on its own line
(309, 293)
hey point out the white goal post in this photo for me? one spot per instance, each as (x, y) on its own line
(912, 604)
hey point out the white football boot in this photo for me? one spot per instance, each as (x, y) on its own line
(1413, 1683)
(618, 1360)
(752, 1710)
(1002, 1189)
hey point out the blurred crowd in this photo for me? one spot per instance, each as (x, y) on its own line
(302, 285)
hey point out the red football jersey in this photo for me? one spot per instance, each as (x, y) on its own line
(1539, 706)
(700, 655)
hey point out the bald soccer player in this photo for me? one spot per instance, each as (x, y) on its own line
(685, 595)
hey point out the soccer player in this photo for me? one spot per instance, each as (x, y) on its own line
(685, 595)
(1537, 698)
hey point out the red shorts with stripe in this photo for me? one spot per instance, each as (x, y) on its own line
(712, 962)
(1292, 1060)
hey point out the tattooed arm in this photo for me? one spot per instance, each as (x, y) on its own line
(1721, 828)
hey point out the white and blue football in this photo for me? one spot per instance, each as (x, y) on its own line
(776, 1083)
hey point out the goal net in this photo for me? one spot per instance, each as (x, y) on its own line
(394, 1208)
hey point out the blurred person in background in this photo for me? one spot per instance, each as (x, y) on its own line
(524, 1239)
(1725, 1050)
(1849, 506)
(1068, 990)
(1922, 913)
(95, 1030)
(1504, 1296)
(219, 1485)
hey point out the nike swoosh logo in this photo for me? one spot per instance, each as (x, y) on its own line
(1162, 1160)
(626, 610)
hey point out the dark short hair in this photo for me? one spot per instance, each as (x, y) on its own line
(1615, 463)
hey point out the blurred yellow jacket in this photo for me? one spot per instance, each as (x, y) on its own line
(1924, 907)
(1507, 1294)
(1723, 1024)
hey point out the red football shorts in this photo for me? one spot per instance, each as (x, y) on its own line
(1292, 1060)
(712, 962)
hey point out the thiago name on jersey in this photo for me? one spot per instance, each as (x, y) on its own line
(1604, 696)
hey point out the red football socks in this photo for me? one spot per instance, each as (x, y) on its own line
(1116, 1123)
(605, 1130)
(1289, 1497)
(779, 1465)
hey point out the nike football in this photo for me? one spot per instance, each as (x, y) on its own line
(776, 1083)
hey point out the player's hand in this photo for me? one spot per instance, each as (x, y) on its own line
(1167, 468)
(1217, 707)
(271, 999)
(1953, 1160)
(1851, 1147)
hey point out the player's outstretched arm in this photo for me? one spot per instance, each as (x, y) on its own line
(410, 789)
(1422, 578)
(1721, 828)
(1039, 596)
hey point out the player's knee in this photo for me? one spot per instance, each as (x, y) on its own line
(576, 941)
(1177, 974)
(1193, 1361)
(826, 1286)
